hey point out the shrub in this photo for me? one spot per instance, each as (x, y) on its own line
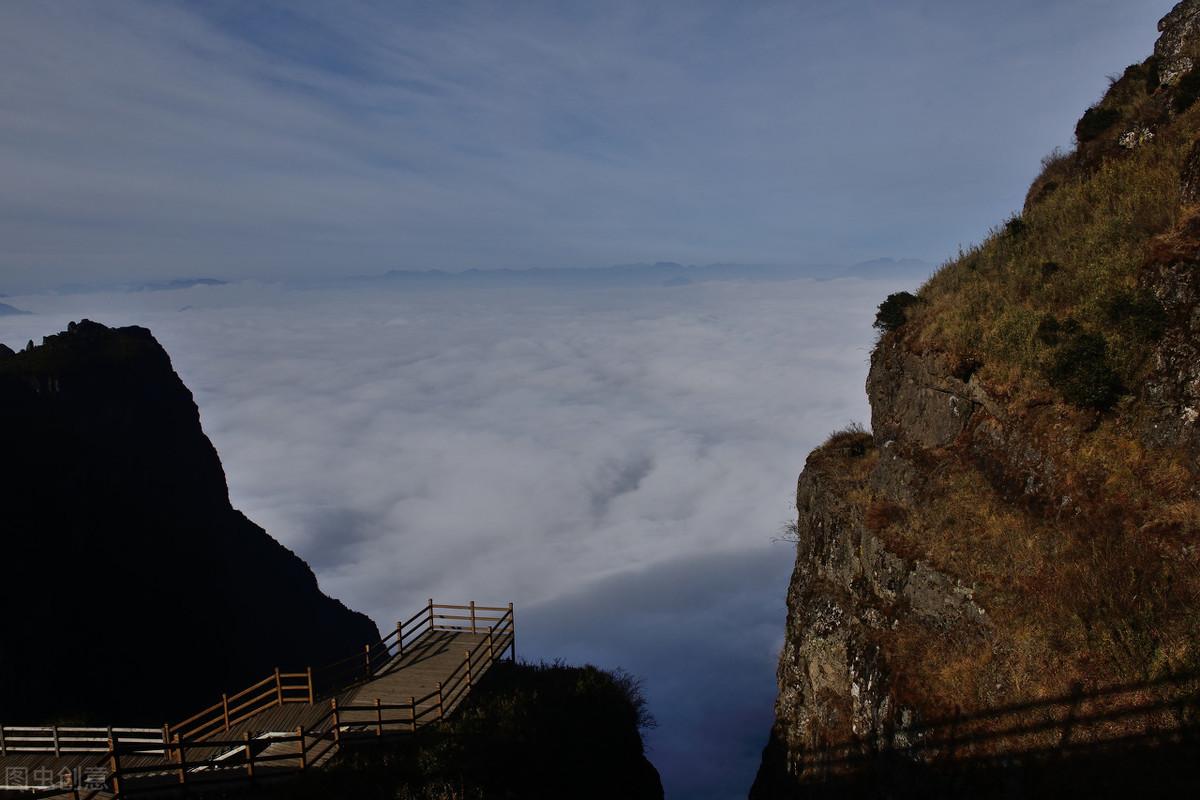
(1048, 329)
(1153, 80)
(1095, 121)
(1186, 91)
(893, 312)
(1014, 225)
(852, 440)
(1080, 370)
(1138, 316)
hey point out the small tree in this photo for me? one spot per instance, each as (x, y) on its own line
(1080, 370)
(1095, 121)
(893, 312)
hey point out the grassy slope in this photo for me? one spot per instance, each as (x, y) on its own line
(1109, 591)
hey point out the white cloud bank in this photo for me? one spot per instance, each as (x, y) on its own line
(615, 462)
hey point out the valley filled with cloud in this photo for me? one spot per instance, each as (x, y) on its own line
(616, 461)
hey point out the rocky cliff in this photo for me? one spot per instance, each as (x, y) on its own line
(131, 589)
(996, 589)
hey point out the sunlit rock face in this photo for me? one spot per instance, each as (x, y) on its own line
(142, 593)
(1176, 47)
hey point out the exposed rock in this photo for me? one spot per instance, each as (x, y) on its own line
(915, 400)
(1172, 392)
(1135, 137)
(1176, 47)
(1189, 177)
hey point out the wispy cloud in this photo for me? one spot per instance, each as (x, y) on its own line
(146, 138)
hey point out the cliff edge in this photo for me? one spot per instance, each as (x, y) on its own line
(996, 589)
(132, 590)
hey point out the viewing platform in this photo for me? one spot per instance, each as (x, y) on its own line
(285, 723)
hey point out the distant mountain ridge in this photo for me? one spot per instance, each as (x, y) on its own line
(660, 273)
(8, 311)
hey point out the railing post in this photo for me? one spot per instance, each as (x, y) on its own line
(303, 752)
(225, 708)
(311, 695)
(412, 710)
(337, 721)
(278, 688)
(114, 765)
(54, 733)
(512, 623)
(473, 617)
(249, 755)
(166, 741)
(430, 607)
(378, 717)
(367, 659)
(180, 758)
(441, 706)
(469, 682)
(400, 638)
(3, 747)
(491, 653)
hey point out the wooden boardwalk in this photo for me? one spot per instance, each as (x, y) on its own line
(290, 722)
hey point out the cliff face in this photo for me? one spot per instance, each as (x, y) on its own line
(996, 590)
(132, 590)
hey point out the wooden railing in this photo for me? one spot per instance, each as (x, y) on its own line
(274, 690)
(377, 657)
(67, 739)
(136, 760)
(196, 753)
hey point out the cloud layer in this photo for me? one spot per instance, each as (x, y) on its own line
(614, 461)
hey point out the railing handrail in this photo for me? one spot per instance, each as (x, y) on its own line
(202, 730)
(325, 681)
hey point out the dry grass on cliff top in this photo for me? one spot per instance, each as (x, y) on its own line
(1068, 257)
(1118, 570)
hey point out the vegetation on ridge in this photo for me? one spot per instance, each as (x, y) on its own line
(528, 731)
(1057, 313)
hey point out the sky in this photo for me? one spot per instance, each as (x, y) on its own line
(257, 139)
(618, 460)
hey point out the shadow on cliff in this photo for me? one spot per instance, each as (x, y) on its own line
(1141, 738)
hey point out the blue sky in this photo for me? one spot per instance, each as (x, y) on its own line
(151, 140)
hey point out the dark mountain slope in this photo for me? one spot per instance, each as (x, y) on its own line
(131, 589)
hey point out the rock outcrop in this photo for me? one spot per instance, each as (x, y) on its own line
(996, 590)
(132, 591)
(1176, 48)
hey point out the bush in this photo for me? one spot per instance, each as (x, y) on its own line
(853, 440)
(1137, 316)
(1095, 121)
(1080, 370)
(1186, 91)
(1014, 225)
(893, 312)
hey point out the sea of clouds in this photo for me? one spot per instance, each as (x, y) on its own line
(618, 462)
